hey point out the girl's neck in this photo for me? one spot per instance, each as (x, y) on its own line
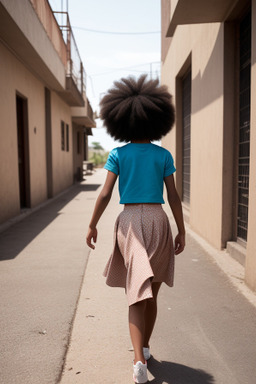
(140, 141)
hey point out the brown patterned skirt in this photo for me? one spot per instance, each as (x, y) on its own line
(143, 251)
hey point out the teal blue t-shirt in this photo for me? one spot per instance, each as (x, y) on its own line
(141, 169)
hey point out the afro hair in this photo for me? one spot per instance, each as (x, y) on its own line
(137, 109)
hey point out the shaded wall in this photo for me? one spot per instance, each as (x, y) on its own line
(202, 49)
(212, 52)
(15, 78)
(250, 269)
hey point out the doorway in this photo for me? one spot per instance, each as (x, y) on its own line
(23, 151)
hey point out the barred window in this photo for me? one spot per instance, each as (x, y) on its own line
(186, 126)
(244, 127)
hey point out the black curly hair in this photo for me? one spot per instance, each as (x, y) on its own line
(137, 109)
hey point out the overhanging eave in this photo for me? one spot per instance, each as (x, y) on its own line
(200, 11)
(84, 120)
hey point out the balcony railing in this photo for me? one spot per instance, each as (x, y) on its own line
(74, 66)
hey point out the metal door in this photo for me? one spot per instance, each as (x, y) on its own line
(244, 126)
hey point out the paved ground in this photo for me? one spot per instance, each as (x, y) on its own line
(206, 328)
(42, 263)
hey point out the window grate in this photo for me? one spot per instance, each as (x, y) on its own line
(244, 126)
(186, 127)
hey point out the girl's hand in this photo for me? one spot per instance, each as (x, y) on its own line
(179, 243)
(91, 235)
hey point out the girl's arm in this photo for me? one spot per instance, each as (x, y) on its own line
(175, 204)
(100, 206)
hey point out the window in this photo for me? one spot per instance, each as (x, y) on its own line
(62, 136)
(67, 137)
(78, 142)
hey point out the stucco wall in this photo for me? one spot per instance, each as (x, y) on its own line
(204, 43)
(206, 134)
(9, 189)
(14, 77)
(62, 161)
(211, 51)
(24, 32)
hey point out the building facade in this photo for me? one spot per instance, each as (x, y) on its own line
(209, 65)
(45, 114)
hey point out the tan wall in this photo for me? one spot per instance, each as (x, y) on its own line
(173, 6)
(211, 50)
(165, 21)
(204, 43)
(15, 78)
(23, 31)
(50, 24)
(62, 161)
(9, 189)
(206, 134)
(29, 64)
(250, 268)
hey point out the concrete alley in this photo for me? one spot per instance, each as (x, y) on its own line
(53, 296)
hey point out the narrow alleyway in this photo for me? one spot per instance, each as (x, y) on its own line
(42, 263)
(205, 332)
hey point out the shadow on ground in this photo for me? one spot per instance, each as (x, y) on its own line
(173, 373)
(15, 238)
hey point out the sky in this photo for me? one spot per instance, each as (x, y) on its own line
(109, 56)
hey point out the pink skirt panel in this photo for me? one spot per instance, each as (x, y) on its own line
(143, 251)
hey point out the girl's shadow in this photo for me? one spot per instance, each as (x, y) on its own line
(173, 373)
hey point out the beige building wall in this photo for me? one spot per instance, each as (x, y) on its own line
(15, 78)
(36, 80)
(206, 133)
(211, 50)
(202, 48)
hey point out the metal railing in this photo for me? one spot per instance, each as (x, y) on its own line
(244, 127)
(74, 67)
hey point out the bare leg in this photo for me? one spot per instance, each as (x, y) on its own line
(137, 329)
(150, 314)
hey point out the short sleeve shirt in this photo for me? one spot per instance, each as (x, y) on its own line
(141, 169)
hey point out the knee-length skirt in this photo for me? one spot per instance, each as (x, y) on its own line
(143, 251)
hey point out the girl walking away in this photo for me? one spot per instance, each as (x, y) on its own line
(138, 112)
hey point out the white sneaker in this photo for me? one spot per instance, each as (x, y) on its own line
(146, 353)
(140, 374)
